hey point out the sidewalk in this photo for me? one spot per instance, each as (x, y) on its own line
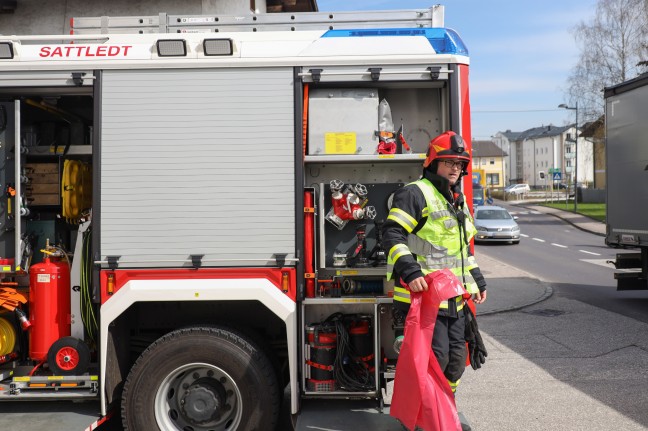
(553, 363)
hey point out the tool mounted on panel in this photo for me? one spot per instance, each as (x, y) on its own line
(359, 256)
(349, 203)
(378, 253)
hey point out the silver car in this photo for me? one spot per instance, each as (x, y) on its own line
(495, 224)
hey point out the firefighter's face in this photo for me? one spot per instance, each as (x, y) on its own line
(450, 169)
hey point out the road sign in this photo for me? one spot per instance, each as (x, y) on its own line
(557, 176)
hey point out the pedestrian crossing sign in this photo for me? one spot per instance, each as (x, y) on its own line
(557, 176)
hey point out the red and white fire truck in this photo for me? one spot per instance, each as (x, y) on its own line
(192, 208)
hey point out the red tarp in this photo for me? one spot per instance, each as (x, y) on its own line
(422, 396)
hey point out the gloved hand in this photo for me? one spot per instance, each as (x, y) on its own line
(476, 349)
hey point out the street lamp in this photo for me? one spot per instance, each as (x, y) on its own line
(575, 108)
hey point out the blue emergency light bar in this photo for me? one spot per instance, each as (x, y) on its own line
(443, 40)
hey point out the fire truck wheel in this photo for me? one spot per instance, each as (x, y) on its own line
(199, 379)
(68, 356)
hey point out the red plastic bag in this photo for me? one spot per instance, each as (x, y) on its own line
(422, 396)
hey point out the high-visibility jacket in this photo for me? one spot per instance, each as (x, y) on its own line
(441, 242)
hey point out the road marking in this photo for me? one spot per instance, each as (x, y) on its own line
(538, 239)
(523, 235)
(601, 262)
(589, 252)
(559, 245)
(536, 212)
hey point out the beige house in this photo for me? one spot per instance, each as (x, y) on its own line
(489, 162)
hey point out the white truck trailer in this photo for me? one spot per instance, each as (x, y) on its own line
(626, 156)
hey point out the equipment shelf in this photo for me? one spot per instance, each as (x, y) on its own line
(369, 158)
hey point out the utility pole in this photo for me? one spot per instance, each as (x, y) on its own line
(575, 108)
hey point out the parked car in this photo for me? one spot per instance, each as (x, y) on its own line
(495, 224)
(518, 189)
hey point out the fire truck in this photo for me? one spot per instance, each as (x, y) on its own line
(192, 209)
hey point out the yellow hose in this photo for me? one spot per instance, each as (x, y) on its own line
(7, 337)
(76, 189)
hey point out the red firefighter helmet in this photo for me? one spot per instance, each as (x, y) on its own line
(448, 145)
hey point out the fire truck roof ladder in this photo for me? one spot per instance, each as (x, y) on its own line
(163, 23)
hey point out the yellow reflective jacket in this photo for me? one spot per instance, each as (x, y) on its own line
(439, 243)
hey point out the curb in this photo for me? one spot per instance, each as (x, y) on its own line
(576, 225)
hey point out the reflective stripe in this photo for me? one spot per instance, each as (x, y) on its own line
(427, 189)
(421, 247)
(438, 214)
(402, 218)
(432, 264)
(450, 223)
(453, 385)
(401, 294)
(458, 299)
(397, 251)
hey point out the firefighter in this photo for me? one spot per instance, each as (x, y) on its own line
(429, 228)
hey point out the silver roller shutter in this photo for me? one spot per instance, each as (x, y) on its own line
(197, 162)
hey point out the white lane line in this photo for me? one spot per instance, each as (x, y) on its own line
(589, 252)
(535, 212)
(538, 239)
(559, 245)
(523, 235)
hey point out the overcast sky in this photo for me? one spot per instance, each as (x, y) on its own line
(521, 53)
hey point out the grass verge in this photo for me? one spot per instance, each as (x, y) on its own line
(595, 211)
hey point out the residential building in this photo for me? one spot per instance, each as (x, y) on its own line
(545, 156)
(507, 142)
(489, 161)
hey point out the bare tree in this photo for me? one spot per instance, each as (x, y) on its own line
(612, 46)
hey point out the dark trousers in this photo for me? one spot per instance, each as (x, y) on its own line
(449, 345)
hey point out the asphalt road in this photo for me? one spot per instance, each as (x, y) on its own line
(573, 261)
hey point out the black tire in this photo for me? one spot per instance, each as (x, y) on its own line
(68, 356)
(200, 379)
(515, 242)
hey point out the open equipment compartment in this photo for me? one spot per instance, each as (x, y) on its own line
(342, 160)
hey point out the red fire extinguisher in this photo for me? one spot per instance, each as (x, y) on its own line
(49, 305)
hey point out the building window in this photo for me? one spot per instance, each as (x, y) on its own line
(492, 179)
(492, 161)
